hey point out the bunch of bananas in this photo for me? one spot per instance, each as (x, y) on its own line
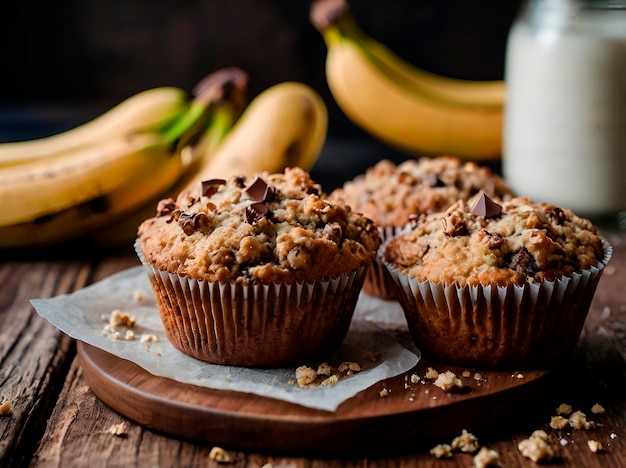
(103, 178)
(402, 105)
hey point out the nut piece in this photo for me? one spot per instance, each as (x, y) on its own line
(564, 409)
(220, 455)
(5, 409)
(118, 429)
(578, 420)
(559, 422)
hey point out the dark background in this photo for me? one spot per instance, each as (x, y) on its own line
(65, 61)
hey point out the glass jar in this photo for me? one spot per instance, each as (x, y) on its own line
(564, 136)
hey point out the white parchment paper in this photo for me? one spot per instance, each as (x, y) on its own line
(377, 341)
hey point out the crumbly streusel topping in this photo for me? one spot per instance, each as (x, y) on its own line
(501, 244)
(272, 227)
(390, 194)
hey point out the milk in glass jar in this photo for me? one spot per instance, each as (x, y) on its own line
(564, 136)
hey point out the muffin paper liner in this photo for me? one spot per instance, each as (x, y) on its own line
(534, 325)
(255, 324)
(377, 280)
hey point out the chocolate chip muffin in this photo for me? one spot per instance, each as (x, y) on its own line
(260, 271)
(497, 285)
(393, 195)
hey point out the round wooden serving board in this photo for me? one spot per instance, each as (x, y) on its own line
(410, 415)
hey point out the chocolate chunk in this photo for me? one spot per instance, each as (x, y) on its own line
(558, 215)
(486, 207)
(256, 212)
(209, 187)
(332, 231)
(257, 190)
(523, 262)
(191, 223)
(494, 240)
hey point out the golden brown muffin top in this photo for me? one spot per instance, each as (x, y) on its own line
(483, 242)
(270, 227)
(390, 194)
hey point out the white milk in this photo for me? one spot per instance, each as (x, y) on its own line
(565, 117)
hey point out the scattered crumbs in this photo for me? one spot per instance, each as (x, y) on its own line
(415, 378)
(486, 457)
(349, 368)
(325, 375)
(130, 335)
(5, 409)
(118, 429)
(613, 435)
(431, 374)
(324, 369)
(519, 375)
(332, 380)
(466, 442)
(220, 455)
(564, 409)
(536, 447)
(578, 420)
(597, 409)
(595, 446)
(148, 338)
(118, 318)
(478, 377)
(448, 381)
(138, 296)
(115, 335)
(559, 422)
(305, 376)
(412, 397)
(384, 392)
(466, 374)
(441, 451)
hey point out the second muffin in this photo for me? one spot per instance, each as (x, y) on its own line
(498, 286)
(394, 195)
(258, 271)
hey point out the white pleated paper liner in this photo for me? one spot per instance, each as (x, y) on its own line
(255, 324)
(535, 325)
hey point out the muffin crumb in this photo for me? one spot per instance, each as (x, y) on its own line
(595, 446)
(486, 458)
(536, 447)
(466, 442)
(564, 409)
(441, 451)
(448, 381)
(118, 429)
(597, 409)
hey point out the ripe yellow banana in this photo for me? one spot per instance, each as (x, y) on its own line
(145, 111)
(402, 105)
(70, 195)
(283, 126)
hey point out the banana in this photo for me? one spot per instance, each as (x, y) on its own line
(136, 170)
(284, 125)
(145, 111)
(409, 109)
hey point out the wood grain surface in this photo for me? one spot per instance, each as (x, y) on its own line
(57, 419)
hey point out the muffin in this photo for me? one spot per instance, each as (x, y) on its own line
(256, 271)
(393, 195)
(502, 286)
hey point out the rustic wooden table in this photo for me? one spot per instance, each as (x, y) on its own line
(57, 419)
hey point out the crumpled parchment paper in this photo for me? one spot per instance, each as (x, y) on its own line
(377, 341)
